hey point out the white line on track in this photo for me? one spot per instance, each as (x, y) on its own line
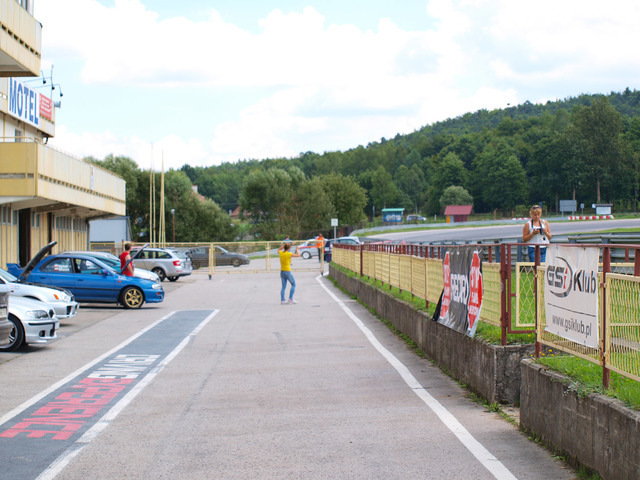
(488, 460)
(61, 462)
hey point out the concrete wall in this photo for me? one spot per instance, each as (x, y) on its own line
(492, 371)
(599, 431)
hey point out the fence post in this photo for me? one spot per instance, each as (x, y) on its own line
(636, 263)
(504, 293)
(606, 268)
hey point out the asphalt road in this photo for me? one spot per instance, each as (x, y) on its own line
(221, 381)
(513, 231)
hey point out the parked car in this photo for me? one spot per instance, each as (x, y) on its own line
(5, 325)
(164, 262)
(88, 279)
(200, 257)
(32, 321)
(114, 262)
(341, 240)
(309, 248)
(415, 218)
(60, 299)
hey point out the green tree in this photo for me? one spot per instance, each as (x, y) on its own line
(383, 191)
(600, 126)
(412, 183)
(455, 195)
(347, 198)
(499, 178)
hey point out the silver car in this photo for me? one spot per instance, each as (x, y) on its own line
(164, 262)
(61, 300)
(32, 322)
(5, 325)
(114, 262)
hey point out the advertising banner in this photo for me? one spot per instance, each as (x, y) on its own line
(462, 292)
(571, 293)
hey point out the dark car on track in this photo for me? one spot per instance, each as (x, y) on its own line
(88, 279)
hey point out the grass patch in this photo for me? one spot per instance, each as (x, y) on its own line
(586, 377)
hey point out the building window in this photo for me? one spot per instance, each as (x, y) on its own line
(18, 136)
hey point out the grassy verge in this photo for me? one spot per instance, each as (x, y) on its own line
(586, 378)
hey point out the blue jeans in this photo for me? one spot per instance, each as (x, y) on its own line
(287, 277)
(532, 254)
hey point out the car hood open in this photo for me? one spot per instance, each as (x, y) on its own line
(46, 250)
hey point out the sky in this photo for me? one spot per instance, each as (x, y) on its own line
(203, 82)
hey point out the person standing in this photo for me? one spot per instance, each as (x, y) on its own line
(320, 245)
(536, 232)
(286, 254)
(124, 258)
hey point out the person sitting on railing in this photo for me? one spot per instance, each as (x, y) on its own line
(536, 232)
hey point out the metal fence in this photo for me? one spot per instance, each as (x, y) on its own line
(513, 293)
(226, 258)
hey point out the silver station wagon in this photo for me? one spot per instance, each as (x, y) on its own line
(164, 262)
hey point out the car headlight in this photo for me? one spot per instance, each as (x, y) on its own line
(157, 286)
(37, 314)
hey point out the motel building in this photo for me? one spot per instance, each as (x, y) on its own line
(45, 195)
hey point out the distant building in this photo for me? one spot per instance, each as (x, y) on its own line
(45, 195)
(109, 231)
(458, 213)
(392, 215)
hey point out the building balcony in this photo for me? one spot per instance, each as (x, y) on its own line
(20, 41)
(33, 175)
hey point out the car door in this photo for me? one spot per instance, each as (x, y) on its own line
(57, 271)
(94, 283)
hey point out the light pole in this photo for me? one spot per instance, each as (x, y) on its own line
(173, 221)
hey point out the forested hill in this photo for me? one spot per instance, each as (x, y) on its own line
(586, 148)
(627, 103)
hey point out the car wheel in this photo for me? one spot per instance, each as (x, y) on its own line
(235, 262)
(132, 297)
(306, 255)
(16, 337)
(172, 279)
(160, 272)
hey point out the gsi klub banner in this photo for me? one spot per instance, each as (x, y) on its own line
(571, 293)
(462, 292)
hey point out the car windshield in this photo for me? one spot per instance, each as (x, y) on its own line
(222, 250)
(7, 276)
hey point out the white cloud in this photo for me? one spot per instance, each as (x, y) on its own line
(335, 86)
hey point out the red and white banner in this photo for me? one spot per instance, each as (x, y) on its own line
(462, 291)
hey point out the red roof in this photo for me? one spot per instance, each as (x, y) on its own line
(458, 210)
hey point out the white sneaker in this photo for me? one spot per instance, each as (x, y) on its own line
(291, 300)
(283, 303)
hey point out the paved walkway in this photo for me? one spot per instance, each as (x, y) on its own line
(316, 390)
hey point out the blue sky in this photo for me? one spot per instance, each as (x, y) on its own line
(206, 82)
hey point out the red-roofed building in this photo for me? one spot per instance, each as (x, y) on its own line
(458, 213)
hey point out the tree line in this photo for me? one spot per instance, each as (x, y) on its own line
(585, 148)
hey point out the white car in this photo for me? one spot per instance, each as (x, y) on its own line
(33, 322)
(61, 300)
(114, 262)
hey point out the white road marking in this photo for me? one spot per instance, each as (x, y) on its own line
(488, 460)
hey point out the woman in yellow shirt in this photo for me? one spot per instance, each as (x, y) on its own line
(285, 271)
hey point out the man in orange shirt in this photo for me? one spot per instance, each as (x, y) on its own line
(320, 245)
